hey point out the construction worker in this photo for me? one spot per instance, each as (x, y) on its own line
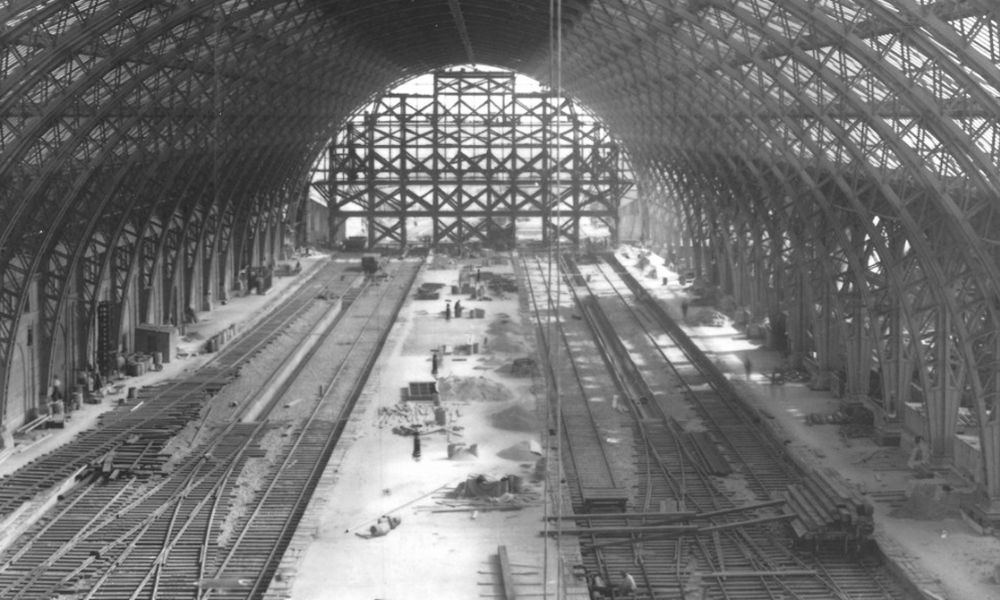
(627, 586)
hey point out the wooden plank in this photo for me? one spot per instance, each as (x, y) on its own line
(506, 577)
(780, 517)
(680, 515)
(626, 530)
(781, 573)
(477, 509)
(657, 516)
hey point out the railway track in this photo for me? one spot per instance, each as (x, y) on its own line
(590, 466)
(216, 526)
(688, 535)
(160, 411)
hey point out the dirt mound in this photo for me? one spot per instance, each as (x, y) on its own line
(504, 335)
(516, 418)
(526, 451)
(473, 389)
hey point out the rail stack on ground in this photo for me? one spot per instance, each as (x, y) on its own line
(827, 512)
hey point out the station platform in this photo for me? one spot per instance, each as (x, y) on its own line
(239, 313)
(445, 547)
(918, 525)
(442, 550)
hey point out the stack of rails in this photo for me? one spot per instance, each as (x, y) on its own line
(828, 512)
(138, 428)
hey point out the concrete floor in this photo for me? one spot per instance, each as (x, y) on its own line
(453, 554)
(431, 554)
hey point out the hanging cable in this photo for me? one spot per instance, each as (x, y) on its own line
(552, 194)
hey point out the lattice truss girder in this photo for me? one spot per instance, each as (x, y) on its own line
(900, 336)
(857, 140)
(886, 112)
(125, 123)
(472, 156)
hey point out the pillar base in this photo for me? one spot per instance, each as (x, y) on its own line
(820, 380)
(888, 434)
(888, 431)
(984, 515)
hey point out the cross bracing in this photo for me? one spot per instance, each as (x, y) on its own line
(474, 156)
(831, 161)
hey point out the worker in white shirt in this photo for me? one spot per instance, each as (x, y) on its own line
(627, 585)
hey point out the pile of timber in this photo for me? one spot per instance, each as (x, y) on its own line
(828, 510)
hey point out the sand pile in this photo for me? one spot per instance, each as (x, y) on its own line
(473, 389)
(505, 336)
(526, 451)
(516, 418)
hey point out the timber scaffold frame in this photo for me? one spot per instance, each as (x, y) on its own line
(474, 156)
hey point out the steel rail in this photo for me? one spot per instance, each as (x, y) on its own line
(581, 474)
(631, 382)
(215, 491)
(604, 476)
(633, 385)
(762, 571)
(724, 390)
(330, 436)
(172, 537)
(639, 315)
(617, 367)
(745, 546)
(740, 542)
(187, 393)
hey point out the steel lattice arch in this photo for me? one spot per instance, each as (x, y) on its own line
(833, 162)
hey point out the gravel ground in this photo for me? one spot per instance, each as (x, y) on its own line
(219, 410)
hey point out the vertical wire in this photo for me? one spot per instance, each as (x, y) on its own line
(555, 185)
(553, 494)
(548, 499)
(558, 173)
(216, 119)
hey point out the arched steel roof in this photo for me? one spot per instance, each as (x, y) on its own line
(862, 134)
